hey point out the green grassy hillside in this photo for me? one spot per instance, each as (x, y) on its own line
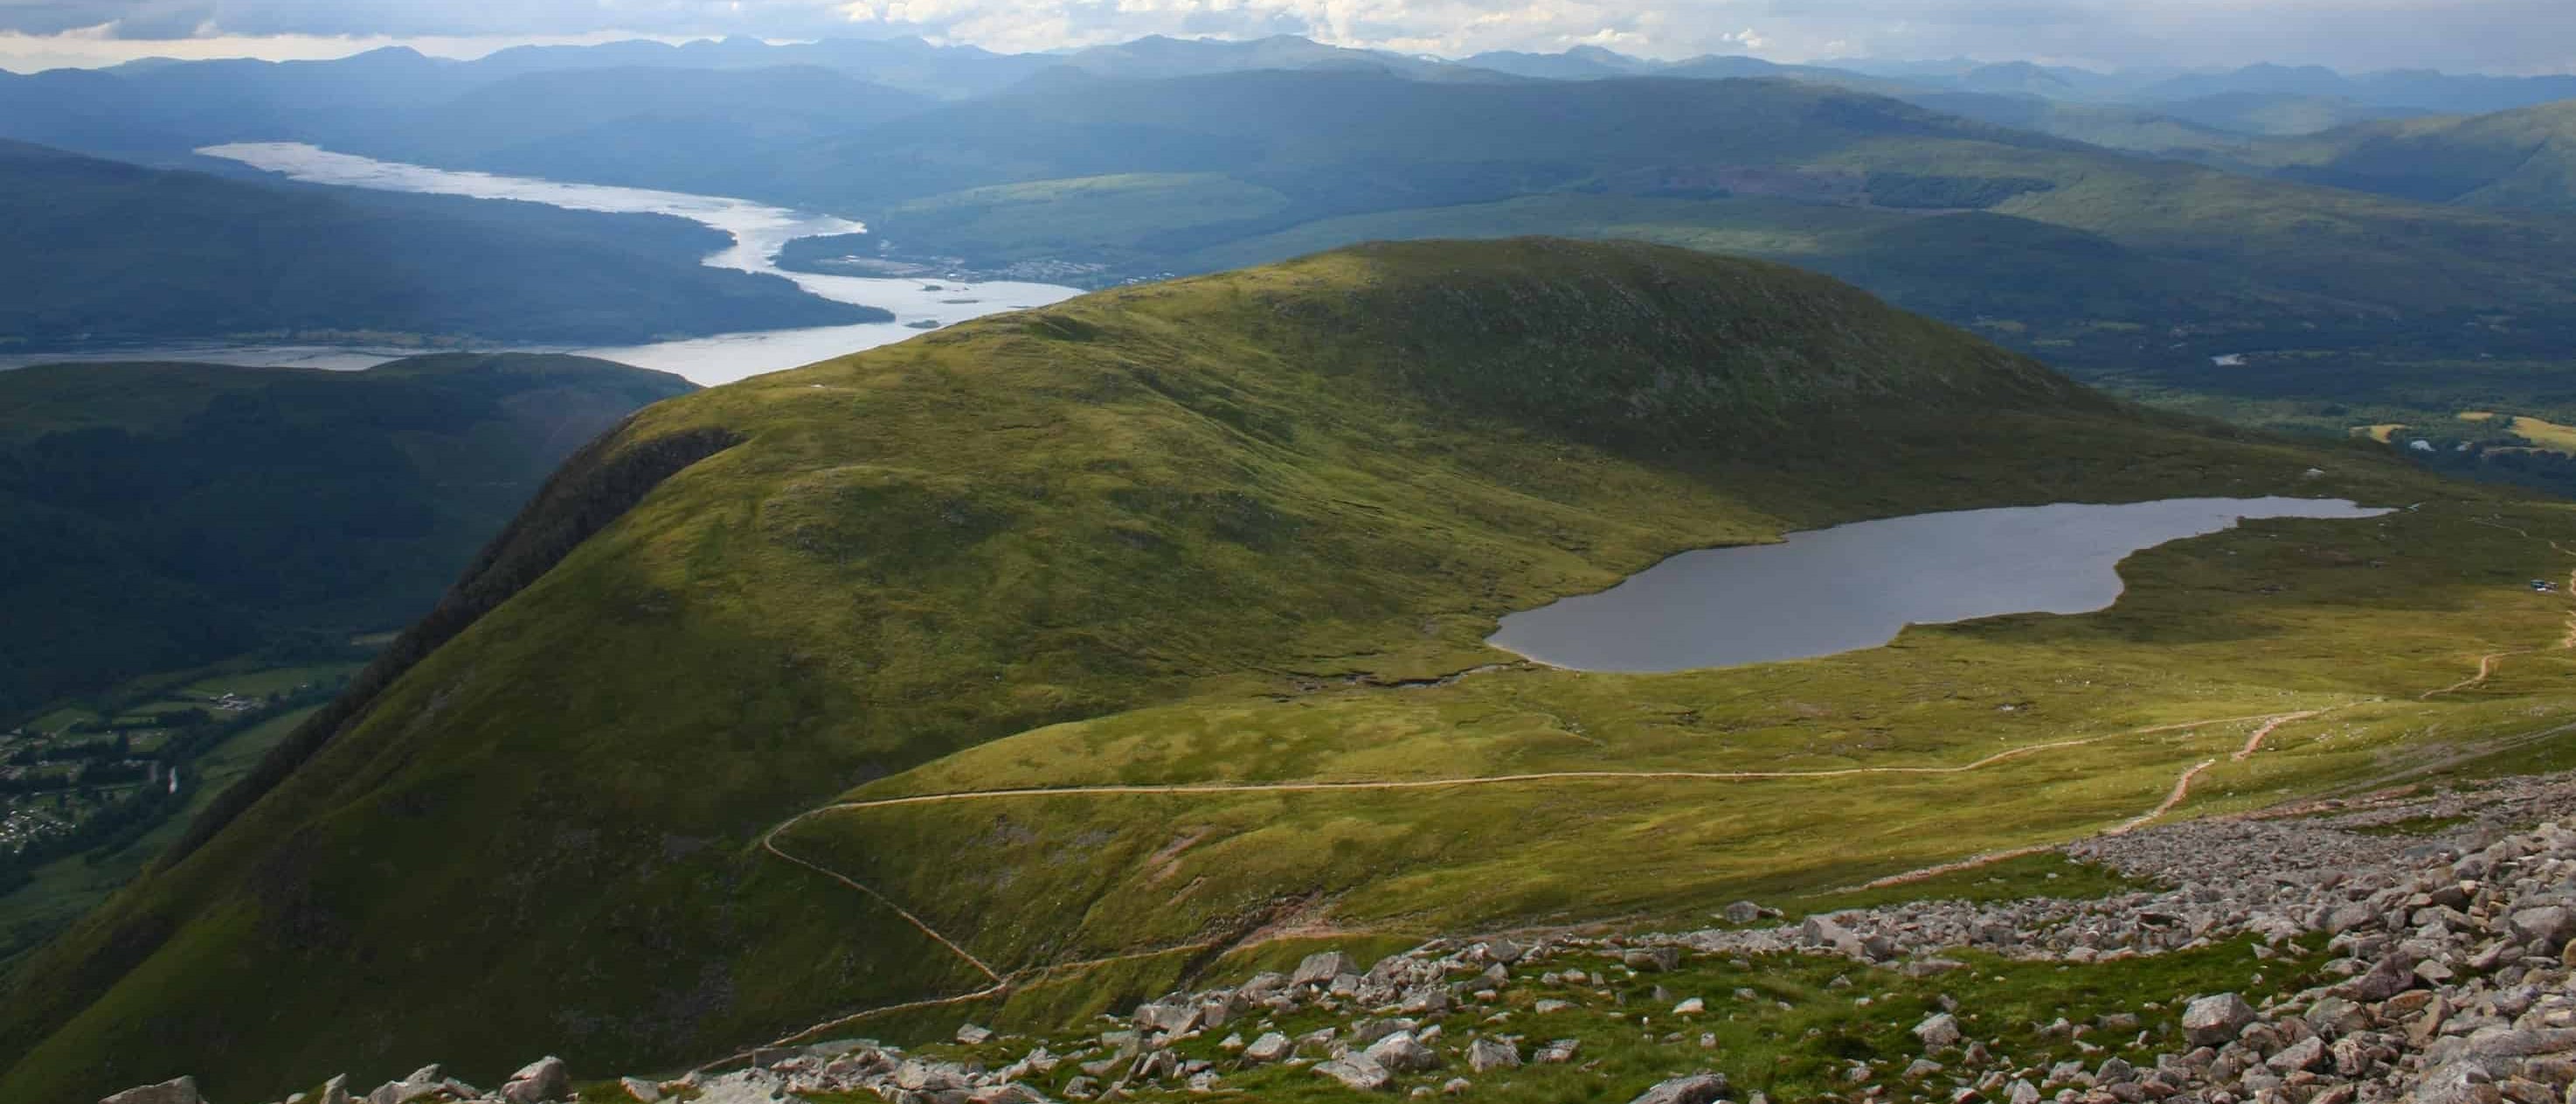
(1217, 529)
(167, 515)
(2523, 159)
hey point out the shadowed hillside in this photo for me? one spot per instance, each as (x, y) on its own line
(167, 515)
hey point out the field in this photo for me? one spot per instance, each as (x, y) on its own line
(2354, 648)
(1233, 534)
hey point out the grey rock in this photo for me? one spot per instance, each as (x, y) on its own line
(1402, 1053)
(644, 1092)
(2516, 1042)
(973, 1034)
(1698, 1088)
(1743, 912)
(541, 1080)
(1270, 1047)
(1558, 1052)
(2548, 925)
(2387, 978)
(1489, 1053)
(2306, 1054)
(1321, 968)
(1652, 959)
(2210, 1021)
(1824, 932)
(177, 1090)
(1938, 1031)
(1171, 1018)
(751, 1086)
(399, 1092)
(1356, 1071)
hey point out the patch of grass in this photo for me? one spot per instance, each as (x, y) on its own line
(1789, 1026)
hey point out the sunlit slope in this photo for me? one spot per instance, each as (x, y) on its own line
(1213, 494)
(2524, 159)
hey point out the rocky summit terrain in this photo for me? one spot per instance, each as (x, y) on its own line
(2436, 929)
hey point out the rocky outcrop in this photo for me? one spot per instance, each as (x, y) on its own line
(2450, 982)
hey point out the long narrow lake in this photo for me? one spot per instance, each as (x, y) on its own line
(758, 231)
(1856, 586)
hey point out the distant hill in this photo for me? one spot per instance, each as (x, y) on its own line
(95, 250)
(167, 515)
(2524, 159)
(2165, 261)
(1194, 493)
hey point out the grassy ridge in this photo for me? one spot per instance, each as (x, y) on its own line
(1200, 495)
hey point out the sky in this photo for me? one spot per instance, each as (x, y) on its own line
(2501, 36)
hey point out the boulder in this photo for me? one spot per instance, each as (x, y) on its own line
(1489, 1053)
(1171, 1018)
(1402, 1053)
(1321, 968)
(544, 1079)
(1558, 1052)
(644, 1092)
(1270, 1047)
(973, 1035)
(1743, 912)
(2306, 1054)
(2386, 978)
(1356, 1071)
(2549, 925)
(1939, 1031)
(2211, 1021)
(1822, 932)
(751, 1086)
(177, 1090)
(1698, 1088)
(402, 1092)
(1652, 959)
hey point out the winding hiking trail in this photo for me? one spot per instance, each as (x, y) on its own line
(1002, 984)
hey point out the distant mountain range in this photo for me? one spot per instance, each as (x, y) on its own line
(165, 106)
(1999, 196)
